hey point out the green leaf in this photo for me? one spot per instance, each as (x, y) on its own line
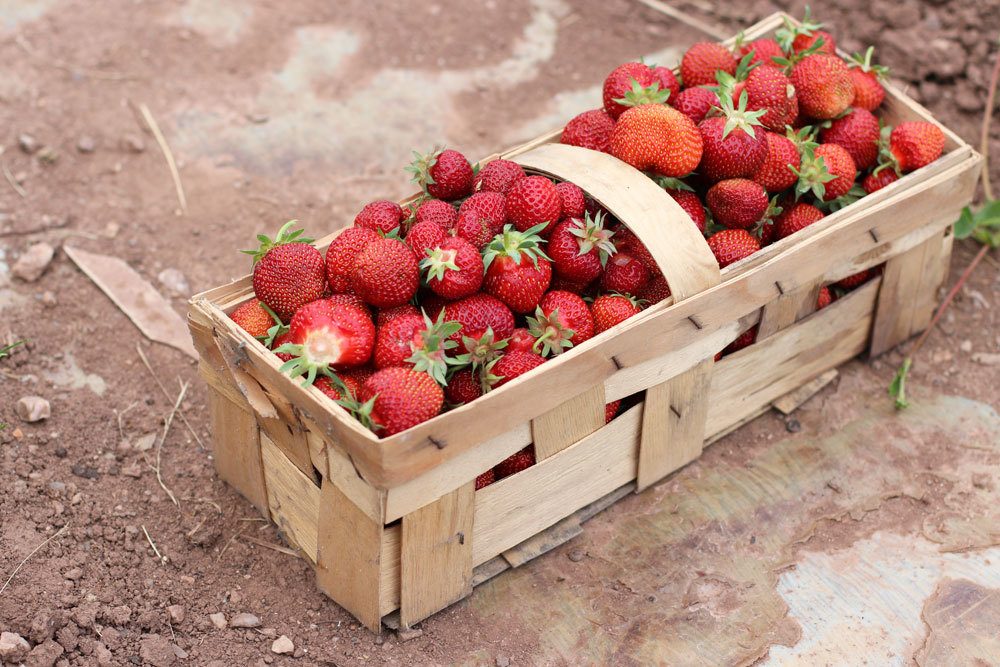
(5, 351)
(965, 224)
(897, 388)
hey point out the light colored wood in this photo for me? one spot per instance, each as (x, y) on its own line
(392, 539)
(673, 424)
(292, 498)
(574, 420)
(317, 452)
(236, 449)
(436, 559)
(342, 473)
(791, 401)
(543, 542)
(936, 264)
(787, 308)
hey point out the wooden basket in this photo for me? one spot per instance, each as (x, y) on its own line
(396, 524)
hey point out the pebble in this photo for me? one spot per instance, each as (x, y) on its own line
(33, 409)
(986, 359)
(218, 620)
(176, 613)
(793, 426)
(244, 620)
(86, 144)
(132, 143)
(49, 299)
(157, 651)
(28, 143)
(13, 647)
(174, 281)
(73, 573)
(406, 634)
(32, 263)
(282, 645)
(965, 346)
(576, 555)
(85, 471)
(44, 654)
(502, 661)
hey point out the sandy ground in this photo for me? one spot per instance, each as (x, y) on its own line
(299, 110)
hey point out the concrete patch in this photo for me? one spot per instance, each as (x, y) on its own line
(67, 373)
(222, 22)
(15, 12)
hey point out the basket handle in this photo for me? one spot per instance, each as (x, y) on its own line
(660, 223)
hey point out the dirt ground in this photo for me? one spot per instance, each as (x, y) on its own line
(305, 109)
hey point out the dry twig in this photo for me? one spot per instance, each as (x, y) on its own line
(28, 557)
(228, 542)
(268, 545)
(13, 182)
(167, 154)
(166, 394)
(159, 447)
(163, 559)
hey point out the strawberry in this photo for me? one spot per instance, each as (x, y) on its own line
(381, 216)
(655, 291)
(824, 298)
(745, 339)
(611, 410)
(423, 236)
(498, 176)
(445, 174)
(732, 245)
(326, 336)
(611, 309)
(624, 79)
(574, 202)
(532, 201)
(795, 217)
(521, 339)
(854, 280)
(770, 90)
(867, 81)
(562, 320)
(695, 103)
(386, 273)
(439, 212)
(515, 463)
(335, 389)
(806, 36)
(765, 50)
(827, 171)
(700, 63)
(858, 132)
(692, 205)
(485, 479)
(624, 273)
(879, 179)
(349, 300)
(477, 314)
(358, 375)
(481, 350)
(667, 80)
(254, 317)
(774, 174)
(474, 228)
(463, 387)
(658, 138)
(737, 203)
(512, 365)
(395, 399)
(421, 343)
(454, 268)
(280, 340)
(735, 145)
(590, 129)
(566, 285)
(823, 86)
(914, 144)
(342, 252)
(580, 248)
(517, 270)
(288, 272)
(386, 315)
(627, 241)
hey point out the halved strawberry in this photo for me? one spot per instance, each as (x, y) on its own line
(327, 336)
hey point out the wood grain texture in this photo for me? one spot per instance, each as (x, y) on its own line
(292, 498)
(791, 401)
(236, 449)
(574, 420)
(436, 558)
(787, 308)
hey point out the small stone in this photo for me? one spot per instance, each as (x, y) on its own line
(986, 359)
(85, 471)
(13, 647)
(965, 346)
(268, 632)
(132, 143)
(61, 452)
(282, 645)
(73, 574)
(174, 281)
(86, 144)
(576, 555)
(406, 634)
(157, 651)
(49, 299)
(176, 614)
(218, 620)
(145, 443)
(48, 155)
(793, 426)
(502, 661)
(133, 470)
(28, 143)
(33, 409)
(244, 620)
(30, 266)
(44, 654)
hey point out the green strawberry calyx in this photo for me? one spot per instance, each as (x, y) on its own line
(360, 411)
(590, 234)
(551, 336)
(887, 159)
(482, 351)
(785, 35)
(421, 167)
(813, 175)
(512, 243)
(284, 236)
(431, 346)
(303, 363)
(739, 118)
(438, 262)
(671, 183)
(640, 95)
(864, 63)
(278, 329)
(772, 212)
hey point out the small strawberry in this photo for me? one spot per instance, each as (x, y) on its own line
(765, 50)
(735, 145)
(342, 252)
(381, 216)
(515, 463)
(611, 309)
(477, 314)
(327, 336)
(580, 248)
(611, 410)
(824, 298)
(806, 36)
(655, 291)
(867, 81)
(823, 86)
(521, 340)
(795, 217)
(474, 228)
(827, 171)
(695, 103)
(667, 80)
(254, 317)
(777, 172)
(737, 203)
(454, 268)
(417, 342)
(343, 387)
(562, 320)
(858, 132)
(532, 201)
(395, 399)
(658, 138)
(498, 176)
(623, 79)
(701, 62)
(288, 272)
(590, 129)
(445, 174)
(914, 144)
(854, 280)
(513, 365)
(517, 270)
(281, 339)
(574, 202)
(879, 179)
(484, 480)
(768, 89)
(624, 273)
(732, 245)
(423, 236)
(439, 212)
(386, 273)
(463, 387)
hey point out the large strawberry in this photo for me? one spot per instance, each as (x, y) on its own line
(478, 314)
(562, 320)
(395, 399)
(381, 216)
(445, 174)
(823, 86)
(765, 51)
(778, 171)
(795, 217)
(658, 138)
(498, 176)
(326, 336)
(386, 273)
(732, 245)
(858, 132)
(439, 212)
(590, 129)
(580, 248)
(288, 272)
(702, 61)
(611, 309)
(827, 171)
(695, 103)
(515, 463)
(737, 203)
(735, 144)
(574, 201)
(342, 252)
(533, 201)
(624, 273)
(454, 268)
(770, 90)
(491, 206)
(417, 341)
(867, 80)
(513, 365)
(914, 144)
(691, 203)
(255, 318)
(517, 269)
(623, 79)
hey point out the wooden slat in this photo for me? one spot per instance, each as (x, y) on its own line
(673, 424)
(291, 497)
(791, 401)
(787, 308)
(436, 558)
(342, 473)
(935, 274)
(236, 449)
(573, 420)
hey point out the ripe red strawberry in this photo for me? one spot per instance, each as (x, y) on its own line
(770, 90)
(795, 217)
(854, 280)
(574, 202)
(700, 63)
(655, 291)
(658, 138)
(349, 299)
(388, 314)
(534, 200)
(484, 480)
(805, 36)
(418, 342)
(691, 203)
(827, 171)
(474, 228)
(515, 463)
(463, 387)
(445, 174)
(914, 144)
(454, 268)
(489, 205)
(381, 216)
(358, 375)
(774, 174)
(737, 203)
(280, 340)
(512, 365)
(477, 314)
(735, 143)
(329, 386)
(395, 399)
(623, 79)
(858, 132)
(695, 103)
(667, 80)
(611, 309)
(824, 298)
(765, 50)
(867, 80)
(288, 272)
(580, 247)
(423, 236)
(521, 340)
(624, 273)
(627, 241)
(498, 176)
(732, 245)
(517, 270)
(823, 86)
(590, 129)
(386, 273)
(562, 320)
(879, 179)
(611, 410)
(342, 252)
(745, 339)
(439, 212)
(254, 318)
(327, 336)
